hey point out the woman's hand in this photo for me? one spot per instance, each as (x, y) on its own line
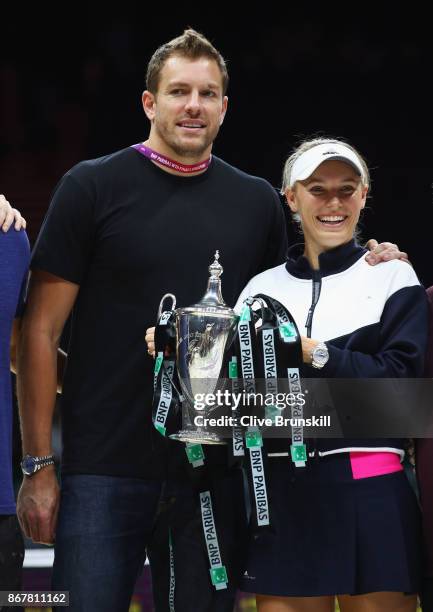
(308, 344)
(150, 341)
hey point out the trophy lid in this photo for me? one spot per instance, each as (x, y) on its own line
(213, 295)
(212, 301)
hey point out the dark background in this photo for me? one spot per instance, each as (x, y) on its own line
(71, 78)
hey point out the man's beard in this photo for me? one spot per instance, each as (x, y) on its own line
(188, 151)
(196, 149)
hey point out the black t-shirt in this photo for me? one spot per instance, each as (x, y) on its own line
(127, 232)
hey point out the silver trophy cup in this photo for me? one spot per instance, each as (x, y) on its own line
(203, 332)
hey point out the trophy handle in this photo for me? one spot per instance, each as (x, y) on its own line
(161, 303)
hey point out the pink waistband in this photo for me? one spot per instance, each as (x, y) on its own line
(367, 464)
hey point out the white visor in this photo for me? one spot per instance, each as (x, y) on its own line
(307, 163)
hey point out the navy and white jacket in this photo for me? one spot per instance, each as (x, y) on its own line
(372, 318)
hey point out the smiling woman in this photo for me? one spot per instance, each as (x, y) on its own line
(326, 198)
(346, 524)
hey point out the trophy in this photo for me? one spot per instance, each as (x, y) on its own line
(203, 333)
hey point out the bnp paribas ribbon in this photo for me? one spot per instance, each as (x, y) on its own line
(192, 346)
(269, 353)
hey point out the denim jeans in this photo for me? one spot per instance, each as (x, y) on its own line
(103, 529)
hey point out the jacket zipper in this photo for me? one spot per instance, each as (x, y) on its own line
(316, 288)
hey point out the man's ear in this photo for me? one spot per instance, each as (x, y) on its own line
(149, 102)
(223, 109)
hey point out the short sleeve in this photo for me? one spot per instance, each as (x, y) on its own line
(65, 241)
(22, 297)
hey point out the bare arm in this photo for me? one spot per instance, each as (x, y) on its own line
(49, 303)
(61, 355)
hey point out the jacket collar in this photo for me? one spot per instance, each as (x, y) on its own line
(330, 262)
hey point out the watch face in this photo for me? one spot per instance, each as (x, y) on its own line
(320, 355)
(28, 465)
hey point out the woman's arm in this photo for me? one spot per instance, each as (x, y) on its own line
(403, 332)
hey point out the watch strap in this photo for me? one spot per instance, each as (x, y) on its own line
(38, 462)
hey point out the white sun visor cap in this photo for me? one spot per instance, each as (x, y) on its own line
(307, 163)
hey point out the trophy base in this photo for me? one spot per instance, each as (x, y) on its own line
(197, 437)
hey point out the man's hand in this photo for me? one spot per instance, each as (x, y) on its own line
(9, 215)
(38, 505)
(385, 251)
(150, 340)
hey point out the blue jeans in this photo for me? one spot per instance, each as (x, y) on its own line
(104, 526)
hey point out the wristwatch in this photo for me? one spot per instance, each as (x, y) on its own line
(319, 355)
(30, 464)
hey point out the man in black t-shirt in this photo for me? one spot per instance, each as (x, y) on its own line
(121, 231)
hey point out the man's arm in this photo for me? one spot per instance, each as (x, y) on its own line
(49, 303)
(15, 338)
(9, 215)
